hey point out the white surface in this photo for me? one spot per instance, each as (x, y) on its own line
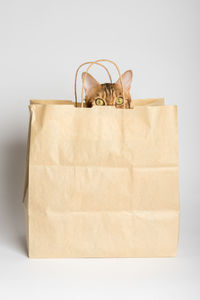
(42, 42)
(167, 278)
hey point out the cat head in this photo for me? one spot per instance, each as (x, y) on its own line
(107, 93)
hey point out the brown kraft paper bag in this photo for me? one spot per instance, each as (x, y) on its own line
(101, 181)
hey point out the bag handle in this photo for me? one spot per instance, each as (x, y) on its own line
(76, 75)
(119, 73)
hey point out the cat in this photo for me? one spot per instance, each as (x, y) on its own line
(107, 93)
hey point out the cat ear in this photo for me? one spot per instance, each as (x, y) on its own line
(127, 80)
(89, 82)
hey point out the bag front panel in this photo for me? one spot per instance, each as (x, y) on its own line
(103, 182)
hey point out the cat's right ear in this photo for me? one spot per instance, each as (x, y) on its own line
(89, 83)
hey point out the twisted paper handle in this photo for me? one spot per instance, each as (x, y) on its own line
(76, 75)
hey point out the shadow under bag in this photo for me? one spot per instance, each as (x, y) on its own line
(101, 181)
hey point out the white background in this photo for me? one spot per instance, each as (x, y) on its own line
(42, 42)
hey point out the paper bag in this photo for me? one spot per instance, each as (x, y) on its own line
(101, 181)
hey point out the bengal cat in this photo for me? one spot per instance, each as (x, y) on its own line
(107, 93)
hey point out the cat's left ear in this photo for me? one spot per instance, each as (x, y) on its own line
(127, 78)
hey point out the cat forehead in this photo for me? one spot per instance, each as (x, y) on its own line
(108, 89)
(110, 86)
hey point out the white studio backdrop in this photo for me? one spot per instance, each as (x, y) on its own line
(41, 45)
